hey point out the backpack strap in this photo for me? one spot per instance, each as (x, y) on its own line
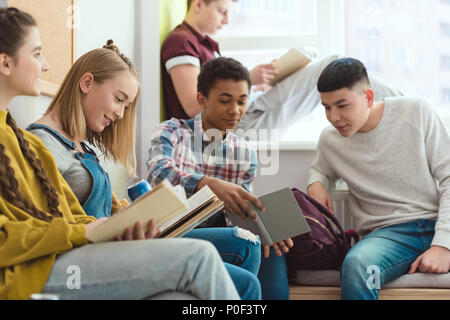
(343, 236)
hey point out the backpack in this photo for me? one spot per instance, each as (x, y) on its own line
(325, 246)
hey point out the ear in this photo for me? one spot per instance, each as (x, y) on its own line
(370, 97)
(5, 65)
(201, 99)
(197, 5)
(86, 82)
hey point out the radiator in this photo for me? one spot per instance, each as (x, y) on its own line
(340, 205)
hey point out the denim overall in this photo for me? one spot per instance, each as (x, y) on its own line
(99, 201)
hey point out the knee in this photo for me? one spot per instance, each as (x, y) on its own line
(252, 290)
(356, 263)
(202, 248)
(249, 243)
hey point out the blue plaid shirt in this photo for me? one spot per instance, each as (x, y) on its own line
(182, 153)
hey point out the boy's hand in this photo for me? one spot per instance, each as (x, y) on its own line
(434, 260)
(263, 74)
(318, 192)
(278, 247)
(236, 199)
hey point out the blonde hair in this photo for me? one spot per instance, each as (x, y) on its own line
(117, 141)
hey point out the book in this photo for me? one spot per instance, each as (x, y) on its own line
(282, 218)
(289, 63)
(167, 206)
(201, 206)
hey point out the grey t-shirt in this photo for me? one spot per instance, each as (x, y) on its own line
(76, 175)
(391, 171)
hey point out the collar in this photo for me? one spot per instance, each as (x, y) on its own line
(201, 38)
(66, 142)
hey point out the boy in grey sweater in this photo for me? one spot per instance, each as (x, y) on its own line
(394, 156)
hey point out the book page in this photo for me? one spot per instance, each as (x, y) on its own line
(196, 200)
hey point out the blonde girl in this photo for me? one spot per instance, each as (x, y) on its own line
(42, 224)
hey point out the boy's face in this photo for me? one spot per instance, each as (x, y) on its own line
(348, 109)
(225, 105)
(214, 15)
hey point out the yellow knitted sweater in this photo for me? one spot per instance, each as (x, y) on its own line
(28, 246)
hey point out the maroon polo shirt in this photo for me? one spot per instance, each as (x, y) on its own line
(184, 45)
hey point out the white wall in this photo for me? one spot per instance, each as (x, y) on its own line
(100, 20)
(292, 172)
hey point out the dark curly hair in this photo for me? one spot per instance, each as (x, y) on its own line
(343, 73)
(221, 69)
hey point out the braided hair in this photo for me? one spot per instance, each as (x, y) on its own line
(13, 30)
(111, 46)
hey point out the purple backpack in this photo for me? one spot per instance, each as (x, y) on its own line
(325, 246)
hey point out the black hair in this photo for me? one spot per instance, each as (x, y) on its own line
(342, 73)
(221, 69)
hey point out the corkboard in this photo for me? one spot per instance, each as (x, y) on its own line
(54, 19)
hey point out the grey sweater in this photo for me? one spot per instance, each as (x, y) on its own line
(391, 171)
(76, 175)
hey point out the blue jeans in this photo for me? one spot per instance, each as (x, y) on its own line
(241, 253)
(383, 256)
(273, 277)
(141, 269)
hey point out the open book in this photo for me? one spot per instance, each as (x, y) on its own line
(167, 206)
(289, 63)
(282, 218)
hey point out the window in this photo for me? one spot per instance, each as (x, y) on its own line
(412, 38)
(261, 30)
(403, 42)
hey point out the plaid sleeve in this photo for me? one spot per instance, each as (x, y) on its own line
(161, 162)
(250, 174)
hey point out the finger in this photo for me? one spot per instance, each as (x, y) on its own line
(246, 209)
(254, 200)
(128, 234)
(266, 251)
(289, 242)
(152, 230)
(228, 208)
(236, 209)
(329, 204)
(283, 247)
(277, 249)
(139, 231)
(118, 238)
(414, 265)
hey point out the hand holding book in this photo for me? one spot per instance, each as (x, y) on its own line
(237, 200)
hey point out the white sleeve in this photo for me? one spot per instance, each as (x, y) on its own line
(437, 144)
(181, 60)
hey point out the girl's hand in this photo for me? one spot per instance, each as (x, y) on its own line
(95, 223)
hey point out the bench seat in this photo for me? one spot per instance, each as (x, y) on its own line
(325, 285)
